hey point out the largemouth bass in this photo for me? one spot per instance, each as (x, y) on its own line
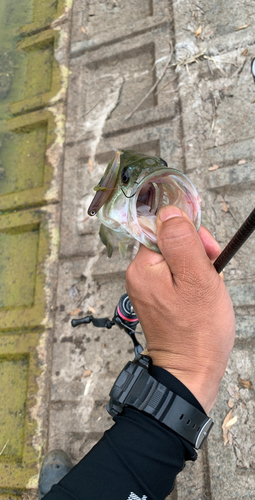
(132, 190)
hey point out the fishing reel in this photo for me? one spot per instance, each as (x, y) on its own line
(124, 317)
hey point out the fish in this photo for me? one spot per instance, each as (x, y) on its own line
(130, 194)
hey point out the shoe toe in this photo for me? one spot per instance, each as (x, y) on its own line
(56, 464)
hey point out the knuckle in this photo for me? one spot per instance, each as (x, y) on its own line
(130, 273)
(133, 277)
(181, 232)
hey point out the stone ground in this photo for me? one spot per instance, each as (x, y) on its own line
(198, 117)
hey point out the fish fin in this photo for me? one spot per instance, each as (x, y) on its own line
(106, 235)
(106, 185)
(99, 188)
(123, 249)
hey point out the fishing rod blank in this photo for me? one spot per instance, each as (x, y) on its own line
(236, 242)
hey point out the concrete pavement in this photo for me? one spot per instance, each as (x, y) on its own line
(200, 119)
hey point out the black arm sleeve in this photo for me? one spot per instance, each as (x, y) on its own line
(137, 459)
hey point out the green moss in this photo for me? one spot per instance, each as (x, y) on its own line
(26, 175)
(40, 58)
(30, 80)
(19, 371)
(45, 11)
(24, 246)
(12, 63)
(21, 71)
(22, 157)
(14, 377)
(18, 259)
(29, 75)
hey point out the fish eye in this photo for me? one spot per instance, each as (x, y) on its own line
(125, 174)
(163, 161)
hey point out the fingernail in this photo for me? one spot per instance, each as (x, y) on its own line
(169, 212)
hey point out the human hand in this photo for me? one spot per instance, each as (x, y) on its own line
(183, 305)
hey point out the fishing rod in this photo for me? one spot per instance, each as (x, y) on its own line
(236, 242)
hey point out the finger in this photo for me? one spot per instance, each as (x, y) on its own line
(180, 245)
(146, 256)
(138, 273)
(211, 246)
(140, 265)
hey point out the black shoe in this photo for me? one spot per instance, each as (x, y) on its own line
(56, 464)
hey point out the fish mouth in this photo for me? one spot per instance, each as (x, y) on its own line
(166, 187)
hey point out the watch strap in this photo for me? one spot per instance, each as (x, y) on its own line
(136, 388)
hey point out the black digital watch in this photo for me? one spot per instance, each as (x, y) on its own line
(135, 387)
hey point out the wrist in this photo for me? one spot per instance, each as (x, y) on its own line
(203, 383)
(204, 389)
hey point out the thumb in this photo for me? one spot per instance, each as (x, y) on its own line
(181, 245)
